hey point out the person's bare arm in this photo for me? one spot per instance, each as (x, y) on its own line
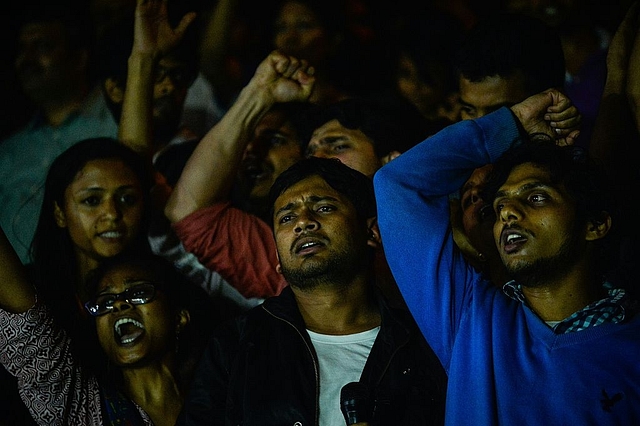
(632, 88)
(153, 38)
(16, 293)
(216, 40)
(615, 121)
(208, 175)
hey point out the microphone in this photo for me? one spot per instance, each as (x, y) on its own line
(355, 403)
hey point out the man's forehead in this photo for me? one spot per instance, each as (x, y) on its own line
(310, 189)
(308, 186)
(526, 176)
(332, 125)
(493, 90)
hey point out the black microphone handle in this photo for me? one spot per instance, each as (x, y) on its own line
(355, 403)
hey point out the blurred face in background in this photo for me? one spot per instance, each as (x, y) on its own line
(298, 32)
(275, 147)
(479, 98)
(48, 69)
(351, 146)
(478, 217)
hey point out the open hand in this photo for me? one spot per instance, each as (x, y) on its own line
(153, 33)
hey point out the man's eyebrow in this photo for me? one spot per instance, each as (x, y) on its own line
(523, 188)
(465, 103)
(317, 198)
(312, 198)
(284, 208)
(331, 139)
(326, 140)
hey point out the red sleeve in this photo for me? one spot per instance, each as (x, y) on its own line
(237, 245)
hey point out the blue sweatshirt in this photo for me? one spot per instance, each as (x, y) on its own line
(505, 365)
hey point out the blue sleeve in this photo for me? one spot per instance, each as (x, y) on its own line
(412, 194)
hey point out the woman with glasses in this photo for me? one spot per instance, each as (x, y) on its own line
(140, 307)
(96, 205)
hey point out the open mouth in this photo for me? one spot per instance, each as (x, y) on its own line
(255, 170)
(127, 330)
(111, 234)
(512, 240)
(307, 245)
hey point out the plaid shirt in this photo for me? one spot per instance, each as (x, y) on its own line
(612, 309)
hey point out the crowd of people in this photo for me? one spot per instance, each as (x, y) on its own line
(320, 213)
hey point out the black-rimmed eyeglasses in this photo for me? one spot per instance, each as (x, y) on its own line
(179, 75)
(138, 294)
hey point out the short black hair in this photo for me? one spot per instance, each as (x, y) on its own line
(505, 43)
(391, 122)
(357, 187)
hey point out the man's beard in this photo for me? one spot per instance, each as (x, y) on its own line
(339, 270)
(540, 272)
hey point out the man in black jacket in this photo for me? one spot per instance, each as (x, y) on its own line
(286, 361)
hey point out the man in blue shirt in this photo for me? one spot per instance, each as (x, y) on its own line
(556, 345)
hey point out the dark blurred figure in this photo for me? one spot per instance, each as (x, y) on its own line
(53, 58)
(585, 36)
(505, 58)
(425, 44)
(617, 134)
(337, 37)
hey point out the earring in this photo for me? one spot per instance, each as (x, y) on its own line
(481, 257)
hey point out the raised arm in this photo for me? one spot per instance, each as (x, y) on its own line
(16, 293)
(215, 42)
(633, 76)
(413, 192)
(616, 133)
(208, 175)
(34, 350)
(617, 118)
(153, 38)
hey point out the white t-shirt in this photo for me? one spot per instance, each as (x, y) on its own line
(341, 359)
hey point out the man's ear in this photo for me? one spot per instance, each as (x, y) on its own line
(373, 239)
(113, 90)
(183, 318)
(278, 266)
(59, 216)
(598, 228)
